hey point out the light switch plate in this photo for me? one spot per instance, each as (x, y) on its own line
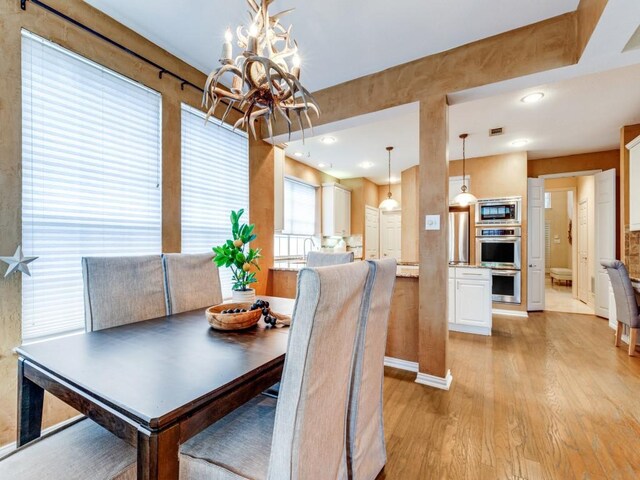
(432, 222)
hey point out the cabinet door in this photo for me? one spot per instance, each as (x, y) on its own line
(347, 213)
(472, 307)
(634, 192)
(452, 300)
(340, 212)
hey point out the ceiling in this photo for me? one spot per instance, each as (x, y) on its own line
(339, 40)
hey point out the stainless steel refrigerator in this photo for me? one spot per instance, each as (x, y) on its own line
(459, 235)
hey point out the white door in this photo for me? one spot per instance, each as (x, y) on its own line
(390, 234)
(471, 305)
(535, 245)
(605, 233)
(583, 251)
(371, 232)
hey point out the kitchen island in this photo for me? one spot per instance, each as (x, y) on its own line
(469, 310)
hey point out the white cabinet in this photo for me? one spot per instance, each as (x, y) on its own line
(634, 184)
(470, 300)
(336, 210)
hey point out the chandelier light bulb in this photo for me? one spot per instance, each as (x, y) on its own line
(296, 61)
(228, 36)
(253, 30)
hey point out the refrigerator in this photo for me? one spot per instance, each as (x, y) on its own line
(459, 235)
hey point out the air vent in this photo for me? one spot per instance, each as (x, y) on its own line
(494, 132)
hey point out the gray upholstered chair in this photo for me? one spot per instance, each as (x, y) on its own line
(78, 451)
(626, 303)
(192, 281)
(304, 436)
(321, 259)
(366, 451)
(121, 290)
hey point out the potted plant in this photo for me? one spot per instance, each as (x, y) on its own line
(240, 258)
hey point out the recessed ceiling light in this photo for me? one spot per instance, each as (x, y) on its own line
(298, 154)
(532, 97)
(520, 142)
(328, 140)
(365, 164)
(321, 165)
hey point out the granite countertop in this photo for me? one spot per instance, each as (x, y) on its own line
(466, 265)
(405, 269)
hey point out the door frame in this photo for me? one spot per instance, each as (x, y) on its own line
(588, 281)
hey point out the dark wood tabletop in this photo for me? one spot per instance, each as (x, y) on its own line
(152, 376)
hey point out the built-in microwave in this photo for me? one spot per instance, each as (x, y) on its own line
(499, 247)
(499, 211)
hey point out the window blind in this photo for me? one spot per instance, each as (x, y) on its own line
(215, 181)
(299, 208)
(91, 182)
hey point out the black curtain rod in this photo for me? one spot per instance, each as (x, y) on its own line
(161, 70)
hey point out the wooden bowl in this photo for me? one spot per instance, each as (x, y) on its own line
(232, 321)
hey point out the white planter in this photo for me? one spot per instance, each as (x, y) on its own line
(244, 296)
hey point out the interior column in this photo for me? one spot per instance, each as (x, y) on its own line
(434, 266)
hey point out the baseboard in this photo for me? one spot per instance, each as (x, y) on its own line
(7, 449)
(435, 382)
(456, 327)
(510, 313)
(401, 364)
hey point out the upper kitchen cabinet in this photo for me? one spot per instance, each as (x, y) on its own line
(336, 210)
(634, 181)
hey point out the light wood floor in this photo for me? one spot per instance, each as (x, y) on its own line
(544, 397)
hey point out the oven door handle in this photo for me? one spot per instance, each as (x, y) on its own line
(497, 239)
(505, 273)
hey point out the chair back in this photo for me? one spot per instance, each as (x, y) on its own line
(321, 259)
(122, 290)
(626, 303)
(311, 415)
(365, 434)
(192, 281)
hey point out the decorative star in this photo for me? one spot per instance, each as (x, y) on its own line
(18, 262)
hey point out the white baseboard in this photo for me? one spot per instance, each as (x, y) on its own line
(401, 364)
(7, 449)
(510, 313)
(456, 327)
(435, 382)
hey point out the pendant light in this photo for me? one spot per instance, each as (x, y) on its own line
(389, 203)
(464, 198)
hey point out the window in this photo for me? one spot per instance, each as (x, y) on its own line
(547, 199)
(91, 180)
(215, 180)
(299, 218)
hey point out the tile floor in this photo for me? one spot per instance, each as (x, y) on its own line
(560, 299)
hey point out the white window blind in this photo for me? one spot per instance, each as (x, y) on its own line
(91, 151)
(299, 208)
(215, 181)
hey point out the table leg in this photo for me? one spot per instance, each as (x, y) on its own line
(158, 454)
(30, 401)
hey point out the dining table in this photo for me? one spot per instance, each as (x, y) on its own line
(154, 383)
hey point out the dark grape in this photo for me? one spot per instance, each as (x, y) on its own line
(265, 312)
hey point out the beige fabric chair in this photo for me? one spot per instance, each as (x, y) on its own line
(80, 451)
(626, 303)
(321, 259)
(304, 436)
(121, 290)
(192, 281)
(365, 435)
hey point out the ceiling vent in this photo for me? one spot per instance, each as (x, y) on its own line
(494, 132)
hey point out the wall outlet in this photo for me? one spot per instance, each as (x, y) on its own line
(432, 222)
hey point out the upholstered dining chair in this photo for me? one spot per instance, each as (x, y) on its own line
(366, 451)
(626, 303)
(303, 437)
(79, 451)
(192, 281)
(322, 259)
(121, 290)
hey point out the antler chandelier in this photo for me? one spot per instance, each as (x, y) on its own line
(265, 76)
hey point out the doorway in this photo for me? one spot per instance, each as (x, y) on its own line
(390, 234)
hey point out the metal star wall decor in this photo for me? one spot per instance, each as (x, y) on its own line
(17, 263)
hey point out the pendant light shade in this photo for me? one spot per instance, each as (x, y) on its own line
(464, 198)
(389, 203)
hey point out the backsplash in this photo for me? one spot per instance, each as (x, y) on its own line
(632, 248)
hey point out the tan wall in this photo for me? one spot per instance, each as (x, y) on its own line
(38, 21)
(586, 191)
(294, 168)
(396, 191)
(363, 192)
(410, 180)
(498, 176)
(558, 219)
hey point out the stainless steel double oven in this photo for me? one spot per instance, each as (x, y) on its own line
(499, 245)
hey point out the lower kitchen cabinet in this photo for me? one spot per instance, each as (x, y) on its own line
(470, 300)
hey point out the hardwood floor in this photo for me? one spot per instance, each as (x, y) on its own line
(548, 397)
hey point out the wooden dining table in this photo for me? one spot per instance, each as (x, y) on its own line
(154, 383)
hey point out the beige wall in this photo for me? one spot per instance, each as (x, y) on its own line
(586, 192)
(363, 192)
(396, 191)
(38, 21)
(304, 172)
(558, 219)
(410, 187)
